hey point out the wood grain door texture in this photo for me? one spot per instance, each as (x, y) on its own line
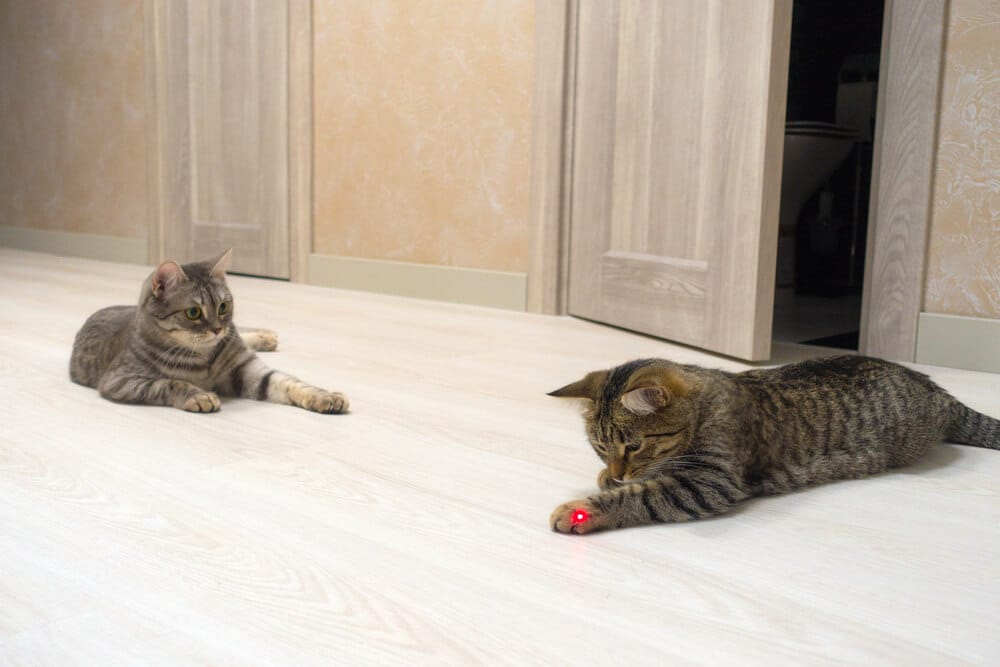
(221, 90)
(676, 165)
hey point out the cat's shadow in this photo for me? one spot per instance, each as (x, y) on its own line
(940, 456)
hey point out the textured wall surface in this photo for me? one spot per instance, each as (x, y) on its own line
(422, 130)
(72, 104)
(963, 272)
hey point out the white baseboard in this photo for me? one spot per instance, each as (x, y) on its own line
(121, 249)
(497, 289)
(972, 343)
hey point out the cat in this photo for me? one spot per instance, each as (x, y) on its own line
(683, 442)
(178, 347)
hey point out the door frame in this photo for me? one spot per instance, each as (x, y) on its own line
(552, 133)
(300, 132)
(902, 170)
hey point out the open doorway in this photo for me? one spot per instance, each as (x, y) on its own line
(826, 178)
(575, 114)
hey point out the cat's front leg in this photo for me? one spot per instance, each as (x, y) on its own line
(579, 517)
(283, 388)
(125, 388)
(663, 499)
(253, 379)
(259, 340)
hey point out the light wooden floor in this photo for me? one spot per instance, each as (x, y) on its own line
(414, 530)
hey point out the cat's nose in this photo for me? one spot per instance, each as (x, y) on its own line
(216, 330)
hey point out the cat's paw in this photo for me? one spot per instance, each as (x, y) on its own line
(577, 517)
(203, 401)
(261, 340)
(327, 402)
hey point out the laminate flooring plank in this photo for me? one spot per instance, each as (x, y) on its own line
(414, 529)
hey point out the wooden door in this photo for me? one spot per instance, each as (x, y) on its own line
(220, 72)
(676, 165)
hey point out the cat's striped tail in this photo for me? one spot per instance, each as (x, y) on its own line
(973, 428)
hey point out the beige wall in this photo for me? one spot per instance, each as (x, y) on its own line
(72, 147)
(422, 125)
(963, 270)
(422, 130)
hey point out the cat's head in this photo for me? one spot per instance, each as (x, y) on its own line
(640, 415)
(191, 304)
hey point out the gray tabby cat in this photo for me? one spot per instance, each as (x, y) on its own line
(683, 442)
(179, 347)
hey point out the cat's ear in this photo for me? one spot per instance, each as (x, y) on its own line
(588, 387)
(645, 400)
(221, 264)
(166, 277)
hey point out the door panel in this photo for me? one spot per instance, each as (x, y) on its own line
(676, 168)
(223, 71)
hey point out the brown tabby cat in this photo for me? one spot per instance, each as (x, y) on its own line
(179, 347)
(683, 442)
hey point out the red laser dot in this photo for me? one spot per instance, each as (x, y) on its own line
(579, 516)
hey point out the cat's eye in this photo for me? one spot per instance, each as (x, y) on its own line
(223, 308)
(193, 313)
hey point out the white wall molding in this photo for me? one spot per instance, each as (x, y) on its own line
(972, 343)
(481, 287)
(122, 249)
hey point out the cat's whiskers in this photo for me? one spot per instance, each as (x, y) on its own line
(675, 463)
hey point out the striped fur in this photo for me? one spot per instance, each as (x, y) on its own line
(682, 442)
(155, 353)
